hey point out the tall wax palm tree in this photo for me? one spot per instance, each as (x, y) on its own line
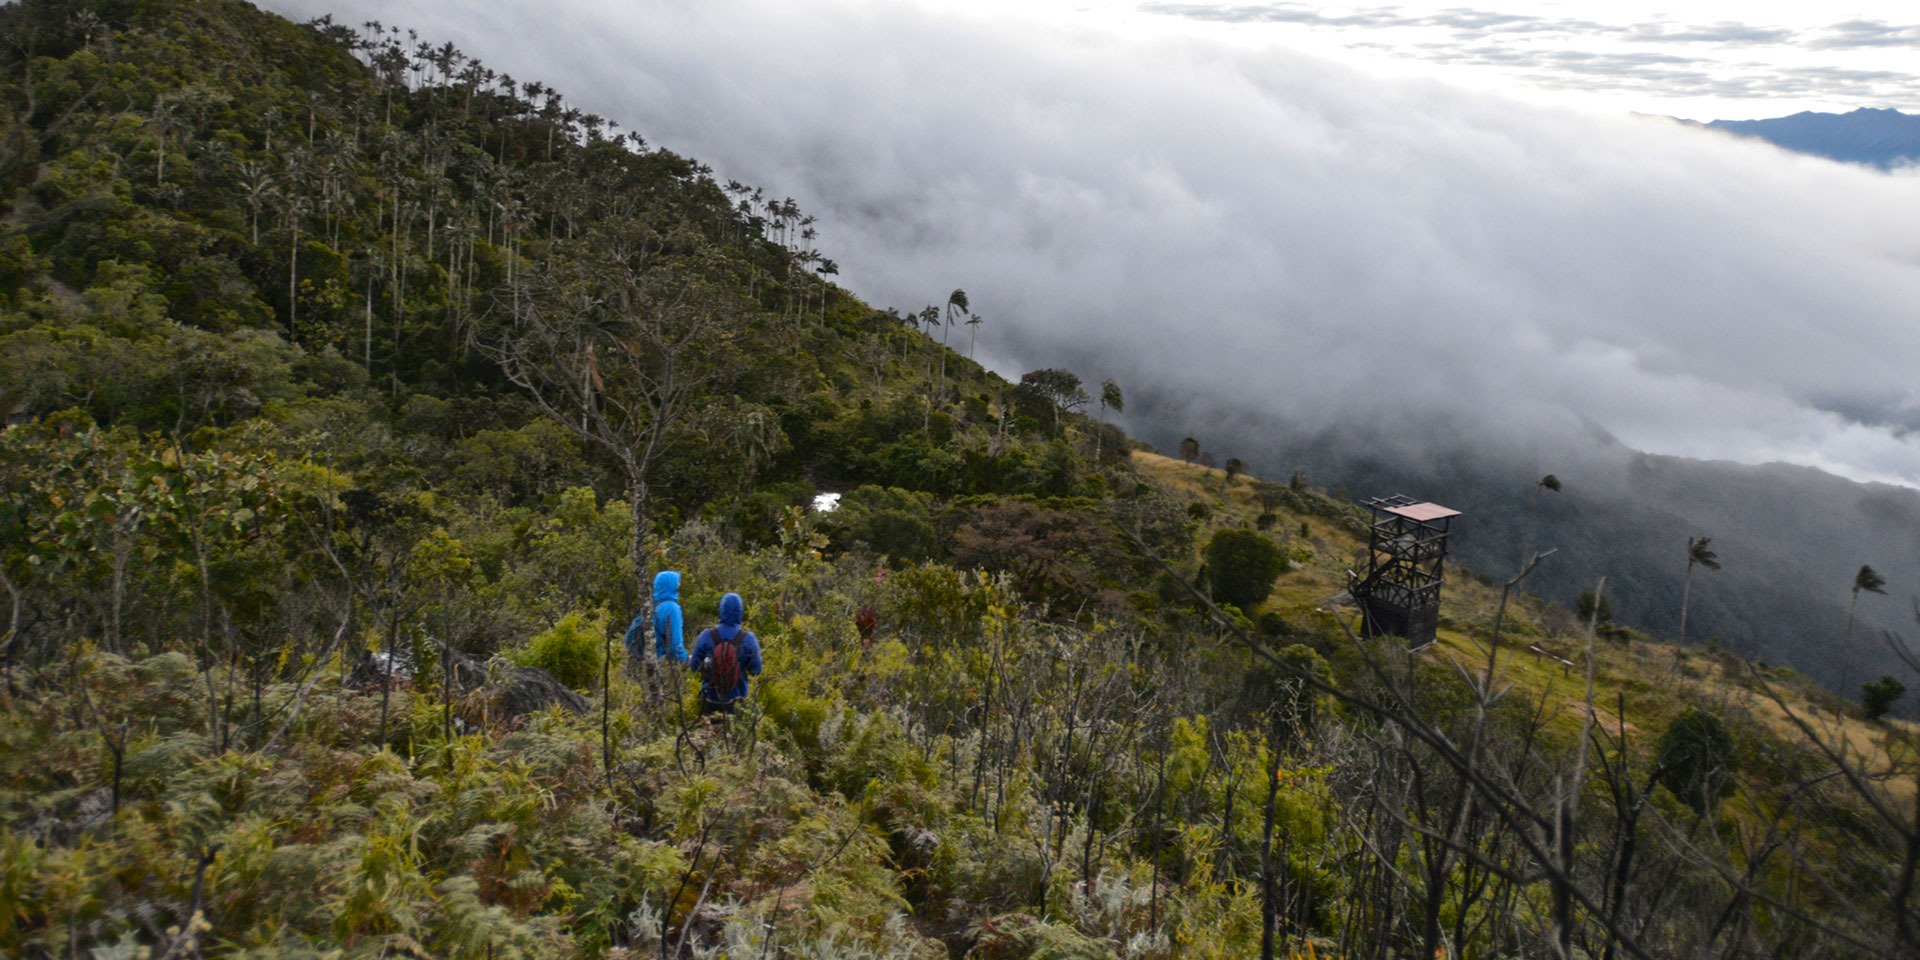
(973, 333)
(370, 267)
(825, 268)
(256, 188)
(1869, 580)
(929, 316)
(956, 303)
(166, 121)
(1699, 554)
(297, 206)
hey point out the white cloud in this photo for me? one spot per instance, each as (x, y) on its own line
(1259, 230)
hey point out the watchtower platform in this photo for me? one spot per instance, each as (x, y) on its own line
(1399, 595)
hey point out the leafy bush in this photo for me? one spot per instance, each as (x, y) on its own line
(1277, 693)
(1583, 608)
(1243, 565)
(890, 521)
(1052, 553)
(1697, 759)
(757, 515)
(570, 649)
(1879, 695)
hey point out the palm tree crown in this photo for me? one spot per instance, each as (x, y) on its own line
(956, 303)
(1699, 552)
(1869, 580)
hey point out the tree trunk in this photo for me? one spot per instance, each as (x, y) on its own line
(1435, 900)
(941, 383)
(293, 279)
(1686, 594)
(13, 618)
(121, 554)
(1269, 913)
(637, 504)
(1100, 435)
(606, 708)
(386, 675)
(367, 340)
(1563, 884)
(1846, 646)
(1622, 872)
(1533, 514)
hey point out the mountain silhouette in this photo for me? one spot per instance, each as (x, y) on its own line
(1878, 138)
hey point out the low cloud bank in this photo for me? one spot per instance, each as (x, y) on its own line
(1274, 237)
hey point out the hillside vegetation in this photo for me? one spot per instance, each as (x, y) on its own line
(359, 389)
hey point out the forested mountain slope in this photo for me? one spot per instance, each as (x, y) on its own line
(359, 390)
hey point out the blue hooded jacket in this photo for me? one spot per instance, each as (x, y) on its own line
(732, 612)
(668, 642)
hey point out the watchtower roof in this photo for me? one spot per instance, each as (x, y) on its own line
(1422, 512)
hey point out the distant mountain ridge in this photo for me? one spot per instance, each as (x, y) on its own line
(1878, 138)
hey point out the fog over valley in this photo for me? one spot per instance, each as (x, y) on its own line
(1304, 266)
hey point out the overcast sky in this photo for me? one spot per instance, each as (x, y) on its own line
(1704, 59)
(1316, 213)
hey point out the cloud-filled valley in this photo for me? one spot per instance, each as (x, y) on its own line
(1278, 235)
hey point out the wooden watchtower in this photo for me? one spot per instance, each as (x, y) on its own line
(1399, 595)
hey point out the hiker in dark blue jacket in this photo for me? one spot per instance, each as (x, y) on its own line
(714, 649)
(668, 642)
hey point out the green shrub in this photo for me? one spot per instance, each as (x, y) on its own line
(1697, 759)
(894, 522)
(1583, 608)
(756, 516)
(1880, 695)
(1295, 702)
(1243, 565)
(570, 649)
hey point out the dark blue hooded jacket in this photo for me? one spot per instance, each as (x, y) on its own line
(668, 642)
(732, 612)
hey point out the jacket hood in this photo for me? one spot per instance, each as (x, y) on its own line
(732, 611)
(666, 586)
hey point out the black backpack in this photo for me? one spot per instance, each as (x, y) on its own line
(723, 666)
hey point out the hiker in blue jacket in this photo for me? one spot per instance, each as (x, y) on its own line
(667, 635)
(726, 655)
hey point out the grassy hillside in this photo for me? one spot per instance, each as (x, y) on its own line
(1640, 685)
(363, 389)
(1790, 538)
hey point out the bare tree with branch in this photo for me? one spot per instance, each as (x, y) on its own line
(621, 353)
